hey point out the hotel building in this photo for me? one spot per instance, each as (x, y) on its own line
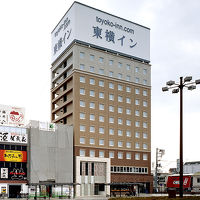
(101, 84)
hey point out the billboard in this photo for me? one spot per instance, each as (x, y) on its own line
(13, 135)
(14, 173)
(13, 116)
(13, 156)
(95, 27)
(173, 182)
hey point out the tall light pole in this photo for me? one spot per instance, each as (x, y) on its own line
(187, 82)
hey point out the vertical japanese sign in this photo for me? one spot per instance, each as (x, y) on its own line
(10, 115)
(94, 27)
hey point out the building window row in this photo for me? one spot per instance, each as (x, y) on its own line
(125, 169)
(119, 64)
(120, 155)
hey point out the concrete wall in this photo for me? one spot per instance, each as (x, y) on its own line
(50, 154)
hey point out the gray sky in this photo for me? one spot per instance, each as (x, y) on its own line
(25, 51)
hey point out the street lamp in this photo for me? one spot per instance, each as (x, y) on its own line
(176, 87)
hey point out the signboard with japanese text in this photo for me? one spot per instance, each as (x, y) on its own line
(94, 27)
(13, 116)
(13, 156)
(47, 126)
(14, 173)
(13, 135)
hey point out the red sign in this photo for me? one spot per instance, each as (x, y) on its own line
(173, 181)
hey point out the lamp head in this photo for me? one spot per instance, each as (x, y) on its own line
(175, 90)
(187, 78)
(170, 83)
(192, 87)
(164, 89)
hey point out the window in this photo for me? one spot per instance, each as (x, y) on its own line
(144, 114)
(120, 144)
(145, 136)
(82, 152)
(137, 102)
(101, 83)
(128, 133)
(137, 113)
(101, 118)
(128, 155)
(137, 124)
(82, 54)
(137, 156)
(91, 57)
(137, 80)
(82, 91)
(128, 67)
(91, 69)
(145, 71)
(145, 146)
(82, 128)
(128, 89)
(144, 93)
(82, 140)
(145, 103)
(111, 74)
(120, 98)
(111, 154)
(120, 121)
(120, 87)
(82, 115)
(120, 155)
(82, 66)
(145, 82)
(92, 105)
(120, 65)
(120, 132)
(128, 111)
(101, 95)
(111, 131)
(101, 106)
(110, 62)
(92, 117)
(145, 156)
(92, 141)
(92, 129)
(128, 100)
(82, 103)
(111, 143)
(128, 122)
(101, 154)
(92, 94)
(111, 85)
(92, 153)
(128, 144)
(101, 71)
(120, 76)
(101, 142)
(100, 59)
(136, 69)
(137, 91)
(111, 108)
(128, 78)
(82, 79)
(137, 145)
(101, 130)
(137, 134)
(111, 119)
(120, 109)
(144, 124)
(111, 97)
(92, 81)
(198, 180)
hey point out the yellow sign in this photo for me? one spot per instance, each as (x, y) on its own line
(13, 156)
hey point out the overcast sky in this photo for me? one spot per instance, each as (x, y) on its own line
(25, 61)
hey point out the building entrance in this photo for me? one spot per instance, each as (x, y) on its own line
(14, 191)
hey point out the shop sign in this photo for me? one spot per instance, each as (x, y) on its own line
(10, 115)
(4, 173)
(173, 182)
(13, 156)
